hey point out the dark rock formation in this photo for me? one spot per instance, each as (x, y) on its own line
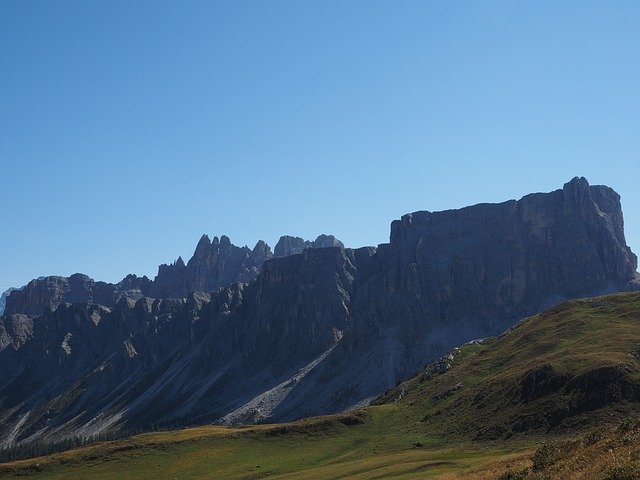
(288, 245)
(151, 361)
(3, 299)
(214, 265)
(313, 333)
(48, 292)
(500, 261)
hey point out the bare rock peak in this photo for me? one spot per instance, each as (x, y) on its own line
(225, 242)
(203, 243)
(290, 245)
(577, 182)
(323, 241)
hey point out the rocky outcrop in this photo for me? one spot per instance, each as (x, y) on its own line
(48, 292)
(3, 299)
(218, 263)
(288, 245)
(502, 261)
(215, 264)
(313, 333)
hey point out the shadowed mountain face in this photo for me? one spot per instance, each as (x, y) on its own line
(48, 292)
(312, 333)
(215, 264)
(288, 245)
(3, 299)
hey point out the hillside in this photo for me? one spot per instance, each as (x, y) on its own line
(557, 397)
(553, 372)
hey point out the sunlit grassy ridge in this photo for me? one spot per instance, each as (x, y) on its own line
(553, 372)
(375, 445)
(557, 377)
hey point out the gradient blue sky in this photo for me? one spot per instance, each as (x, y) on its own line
(129, 128)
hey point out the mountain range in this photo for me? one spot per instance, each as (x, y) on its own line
(215, 264)
(240, 336)
(557, 397)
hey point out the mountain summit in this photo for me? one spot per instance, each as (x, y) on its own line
(215, 264)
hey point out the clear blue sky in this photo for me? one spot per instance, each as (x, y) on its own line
(129, 128)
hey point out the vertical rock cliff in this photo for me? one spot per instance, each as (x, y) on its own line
(42, 293)
(288, 245)
(3, 299)
(215, 264)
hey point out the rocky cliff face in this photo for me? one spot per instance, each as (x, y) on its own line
(215, 264)
(48, 292)
(3, 299)
(288, 245)
(449, 277)
(313, 333)
(84, 368)
(504, 261)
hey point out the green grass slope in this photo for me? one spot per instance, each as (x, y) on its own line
(574, 365)
(560, 388)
